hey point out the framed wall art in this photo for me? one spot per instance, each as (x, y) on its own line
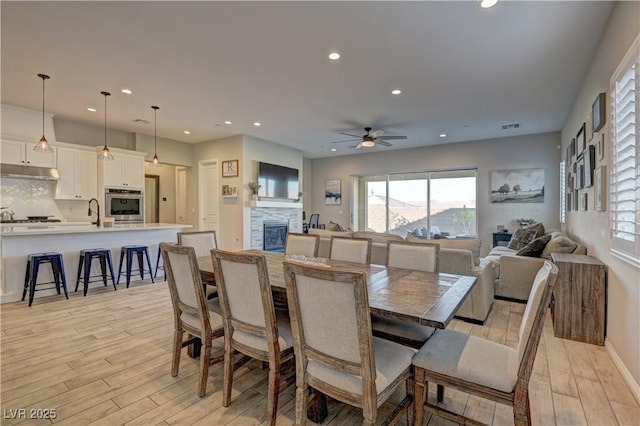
(589, 160)
(598, 116)
(230, 168)
(601, 147)
(584, 201)
(332, 192)
(517, 186)
(581, 140)
(229, 191)
(600, 189)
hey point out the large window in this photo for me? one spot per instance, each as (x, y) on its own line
(625, 158)
(422, 203)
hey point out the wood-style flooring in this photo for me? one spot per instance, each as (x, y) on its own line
(105, 359)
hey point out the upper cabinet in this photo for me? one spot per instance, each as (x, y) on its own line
(22, 153)
(78, 175)
(126, 171)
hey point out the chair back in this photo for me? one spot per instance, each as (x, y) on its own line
(533, 317)
(415, 256)
(313, 220)
(302, 244)
(201, 241)
(245, 297)
(348, 249)
(330, 321)
(185, 287)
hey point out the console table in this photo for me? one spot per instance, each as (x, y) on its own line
(501, 237)
(578, 307)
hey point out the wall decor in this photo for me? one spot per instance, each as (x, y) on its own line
(589, 128)
(569, 203)
(598, 116)
(229, 191)
(601, 147)
(579, 174)
(600, 189)
(230, 168)
(572, 145)
(332, 192)
(581, 141)
(517, 186)
(575, 199)
(589, 160)
(583, 201)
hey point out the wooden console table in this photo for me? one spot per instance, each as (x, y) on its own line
(579, 301)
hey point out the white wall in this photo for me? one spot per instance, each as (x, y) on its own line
(90, 135)
(169, 151)
(522, 152)
(591, 227)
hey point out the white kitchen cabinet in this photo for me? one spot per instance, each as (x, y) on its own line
(126, 171)
(78, 174)
(22, 153)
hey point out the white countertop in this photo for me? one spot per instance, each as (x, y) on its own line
(79, 229)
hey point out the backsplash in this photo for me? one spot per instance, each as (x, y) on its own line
(32, 197)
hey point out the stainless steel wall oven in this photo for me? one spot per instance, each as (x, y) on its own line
(124, 205)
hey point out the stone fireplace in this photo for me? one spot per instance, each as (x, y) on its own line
(274, 236)
(290, 216)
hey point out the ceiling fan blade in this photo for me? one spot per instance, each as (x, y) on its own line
(383, 143)
(350, 134)
(348, 140)
(376, 133)
(358, 146)
(393, 138)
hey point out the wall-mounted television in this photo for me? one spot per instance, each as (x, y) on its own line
(277, 181)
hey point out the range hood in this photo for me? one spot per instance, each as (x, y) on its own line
(28, 172)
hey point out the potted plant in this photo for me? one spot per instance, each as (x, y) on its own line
(254, 187)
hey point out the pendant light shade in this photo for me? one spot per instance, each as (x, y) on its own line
(156, 161)
(43, 145)
(105, 154)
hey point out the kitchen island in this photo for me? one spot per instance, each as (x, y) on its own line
(17, 242)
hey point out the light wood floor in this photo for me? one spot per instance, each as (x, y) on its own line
(105, 359)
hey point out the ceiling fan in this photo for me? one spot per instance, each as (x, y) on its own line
(371, 138)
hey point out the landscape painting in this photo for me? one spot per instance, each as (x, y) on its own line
(332, 192)
(517, 186)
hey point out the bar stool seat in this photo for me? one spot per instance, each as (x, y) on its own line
(141, 252)
(31, 274)
(86, 260)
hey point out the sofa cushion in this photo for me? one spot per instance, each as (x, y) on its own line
(377, 237)
(559, 243)
(522, 237)
(535, 247)
(328, 234)
(472, 244)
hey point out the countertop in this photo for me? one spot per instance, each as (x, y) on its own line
(9, 231)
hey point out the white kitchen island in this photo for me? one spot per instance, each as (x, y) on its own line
(20, 241)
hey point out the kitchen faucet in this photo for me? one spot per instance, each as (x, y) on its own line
(90, 211)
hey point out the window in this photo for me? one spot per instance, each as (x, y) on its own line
(563, 190)
(625, 150)
(422, 203)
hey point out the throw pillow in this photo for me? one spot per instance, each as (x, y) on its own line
(522, 237)
(559, 244)
(332, 226)
(539, 229)
(535, 247)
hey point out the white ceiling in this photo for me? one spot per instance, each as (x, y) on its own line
(464, 71)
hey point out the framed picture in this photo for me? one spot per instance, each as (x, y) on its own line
(332, 192)
(598, 116)
(584, 201)
(599, 190)
(230, 168)
(229, 191)
(569, 203)
(517, 186)
(589, 159)
(579, 174)
(581, 139)
(589, 127)
(601, 147)
(575, 199)
(572, 145)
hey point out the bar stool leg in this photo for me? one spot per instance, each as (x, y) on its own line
(80, 265)
(146, 254)
(63, 278)
(103, 268)
(122, 254)
(157, 263)
(56, 274)
(129, 265)
(35, 266)
(27, 276)
(113, 279)
(139, 255)
(87, 272)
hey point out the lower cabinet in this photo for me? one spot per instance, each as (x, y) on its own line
(579, 300)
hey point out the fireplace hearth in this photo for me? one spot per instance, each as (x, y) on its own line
(274, 236)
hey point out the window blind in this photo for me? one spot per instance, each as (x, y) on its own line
(563, 192)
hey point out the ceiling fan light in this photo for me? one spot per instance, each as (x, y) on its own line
(368, 144)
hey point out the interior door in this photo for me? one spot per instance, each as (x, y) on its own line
(209, 196)
(151, 199)
(181, 195)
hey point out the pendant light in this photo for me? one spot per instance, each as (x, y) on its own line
(105, 154)
(43, 145)
(156, 161)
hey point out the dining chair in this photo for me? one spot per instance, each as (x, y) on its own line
(302, 244)
(313, 220)
(192, 313)
(202, 242)
(482, 367)
(336, 354)
(417, 257)
(251, 325)
(348, 249)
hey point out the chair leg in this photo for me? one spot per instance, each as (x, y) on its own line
(79, 275)
(227, 380)
(521, 407)
(301, 402)
(419, 396)
(205, 356)
(273, 392)
(410, 386)
(177, 348)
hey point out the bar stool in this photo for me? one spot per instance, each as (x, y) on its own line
(159, 266)
(128, 252)
(31, 274)
(86, 259)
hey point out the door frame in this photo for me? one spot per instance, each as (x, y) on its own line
(178, 191)
(201, 186)
(156, 178)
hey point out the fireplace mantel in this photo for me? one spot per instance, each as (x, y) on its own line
(275, 204)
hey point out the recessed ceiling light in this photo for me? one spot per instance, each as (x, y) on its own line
(257, 124)
(228, 122)
(334, 56)
(91, 109)
(126, 91)
(488, 3)
(443, 135)
(396, 92)
(186, 132)
(333, 150)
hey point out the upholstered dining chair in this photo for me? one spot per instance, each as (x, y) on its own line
(482, 367)
(192, 313)
(417, 257)
(202, 242)
(302, 244)
(250, 322)
(348, 249)
(336, 354)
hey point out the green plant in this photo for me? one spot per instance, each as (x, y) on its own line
(465, 218)
(254, 187)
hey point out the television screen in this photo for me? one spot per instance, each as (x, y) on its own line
(277, 181)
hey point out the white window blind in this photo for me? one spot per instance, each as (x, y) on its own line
(563, 191)
(625, 157)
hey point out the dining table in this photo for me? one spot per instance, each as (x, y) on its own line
(426, 298)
